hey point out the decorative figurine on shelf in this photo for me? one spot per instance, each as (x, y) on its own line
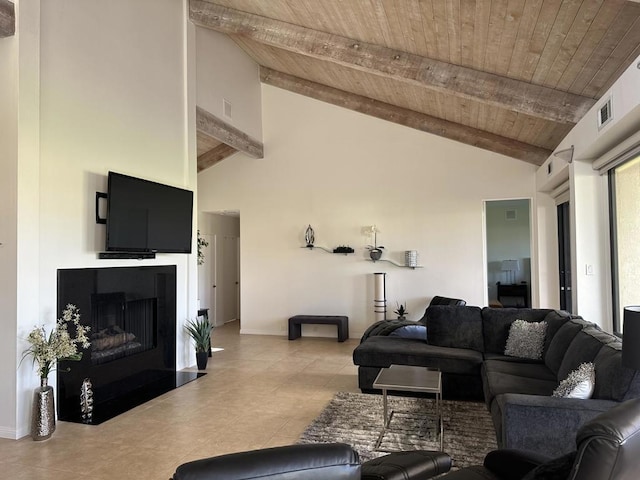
(86, 401)
(375, 250)
(309, 237)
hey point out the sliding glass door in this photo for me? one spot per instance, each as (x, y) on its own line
(624, 188)
(564, 256)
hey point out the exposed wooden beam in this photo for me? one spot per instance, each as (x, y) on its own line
(214, 156)
(514, 95)
(409, 118)
(7, 18)
(217, 128)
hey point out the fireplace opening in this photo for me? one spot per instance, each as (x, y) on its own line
(120, 327)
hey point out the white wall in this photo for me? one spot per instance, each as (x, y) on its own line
(19, 150)
(224, 71)
(114, 95)
(339, 171)
(8, 230)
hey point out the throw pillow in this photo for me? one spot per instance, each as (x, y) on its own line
(526, 339)
(410, 331)
(578, 384)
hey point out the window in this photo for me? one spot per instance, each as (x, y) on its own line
(624, 191)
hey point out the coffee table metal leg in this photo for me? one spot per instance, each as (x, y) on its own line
(439, 419)
(386, 419)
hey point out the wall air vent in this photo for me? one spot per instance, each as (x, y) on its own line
(226, 108)
(605, 114)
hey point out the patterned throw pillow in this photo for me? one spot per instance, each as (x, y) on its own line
(526, 339)
(578, 384)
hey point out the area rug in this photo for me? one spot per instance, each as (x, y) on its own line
(356, 419)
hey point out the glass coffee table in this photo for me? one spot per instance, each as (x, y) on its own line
(406, 378)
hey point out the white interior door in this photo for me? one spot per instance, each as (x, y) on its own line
(207, 278)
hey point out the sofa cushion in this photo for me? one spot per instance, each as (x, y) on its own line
(457, 327)
(385, 351)
(526, 339)
(495, 383)
(555, 319)
(583, 348)
(561, 341)
(578, 384)
(614, 381)
(528, 370)
(504, 358)
(497, 321)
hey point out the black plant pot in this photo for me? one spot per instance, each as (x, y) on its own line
(375, 254)
(201, 360)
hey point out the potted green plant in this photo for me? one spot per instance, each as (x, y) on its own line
(200, 332)
(401, 311)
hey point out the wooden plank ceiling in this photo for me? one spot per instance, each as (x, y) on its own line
(510, 76)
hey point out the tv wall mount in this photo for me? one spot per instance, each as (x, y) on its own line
(117, 255)
(100, 220)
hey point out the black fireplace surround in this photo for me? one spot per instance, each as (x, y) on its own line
(132, 358)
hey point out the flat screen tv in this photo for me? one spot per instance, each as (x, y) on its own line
(145, 216)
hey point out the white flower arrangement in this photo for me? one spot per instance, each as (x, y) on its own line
(373, 230)
(47, 350)
(202, 243)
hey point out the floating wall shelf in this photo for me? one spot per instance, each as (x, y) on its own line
(327, 250)
(395, 263)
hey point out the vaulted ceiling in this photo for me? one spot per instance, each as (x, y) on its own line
(509, 76)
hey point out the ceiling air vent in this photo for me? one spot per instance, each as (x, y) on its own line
(605, 114)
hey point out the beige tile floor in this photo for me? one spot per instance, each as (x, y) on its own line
(260, 391)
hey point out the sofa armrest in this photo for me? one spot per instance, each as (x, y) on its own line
(547, 425)
(308, 462)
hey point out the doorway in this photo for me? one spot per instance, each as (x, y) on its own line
(508, 252)
(219, 274)
(230, 279)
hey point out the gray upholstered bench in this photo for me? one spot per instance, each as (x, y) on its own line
(295, 324)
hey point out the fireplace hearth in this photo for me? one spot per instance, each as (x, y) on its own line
(132, 315)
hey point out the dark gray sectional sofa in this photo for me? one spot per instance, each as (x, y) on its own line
(467, 344)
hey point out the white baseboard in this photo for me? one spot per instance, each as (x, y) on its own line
(257, 331)
(10, 433)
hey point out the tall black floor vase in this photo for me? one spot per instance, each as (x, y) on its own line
(43, 414)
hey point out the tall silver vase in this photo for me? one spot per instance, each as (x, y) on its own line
(43, 415)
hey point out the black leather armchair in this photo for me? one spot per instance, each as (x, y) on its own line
(326, 461)
(608, 449)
